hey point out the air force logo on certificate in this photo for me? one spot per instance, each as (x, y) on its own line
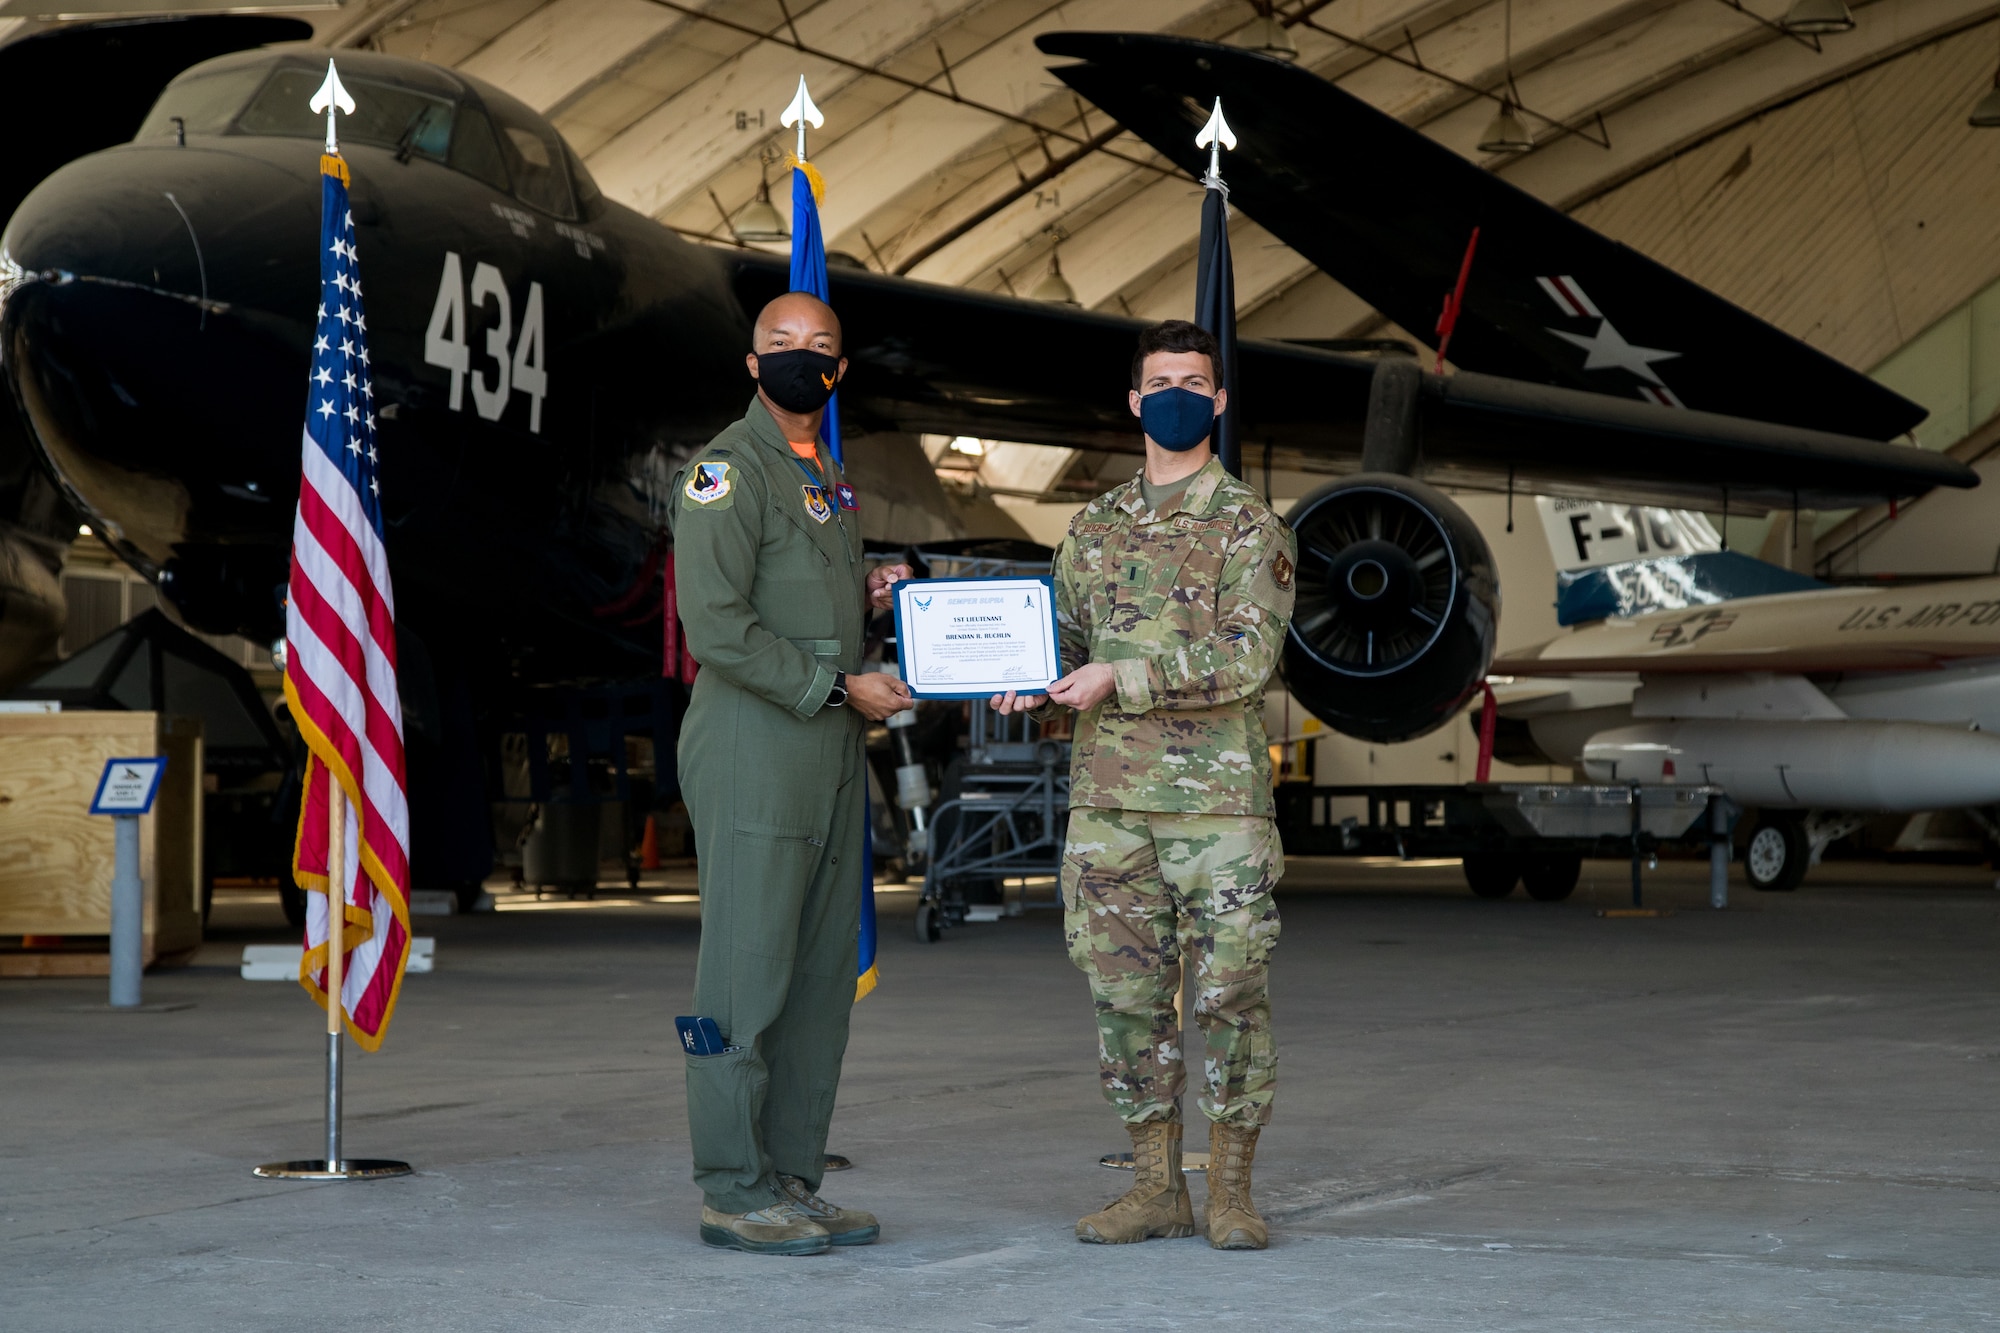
(970, 638)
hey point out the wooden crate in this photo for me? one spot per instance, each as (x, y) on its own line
(56, 857)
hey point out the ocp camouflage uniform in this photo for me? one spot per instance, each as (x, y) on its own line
(1172, 851)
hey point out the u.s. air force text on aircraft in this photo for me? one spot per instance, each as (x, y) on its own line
(1932, 615)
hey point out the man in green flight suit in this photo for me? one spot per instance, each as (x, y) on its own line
(773, 591)
(1173, 594)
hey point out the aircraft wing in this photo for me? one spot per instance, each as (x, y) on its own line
(929, 358)
(1387, 213)
(1828, 630)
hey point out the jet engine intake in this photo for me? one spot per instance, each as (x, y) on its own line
(1398, 603)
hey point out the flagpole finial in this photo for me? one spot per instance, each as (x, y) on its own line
(1215, 136)
(331, 94)
(801, 113)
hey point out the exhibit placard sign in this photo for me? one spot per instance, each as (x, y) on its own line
(128, 786)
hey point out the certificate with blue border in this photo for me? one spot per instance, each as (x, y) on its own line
(972, 638)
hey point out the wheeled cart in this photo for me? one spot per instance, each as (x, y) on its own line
(1006, 819)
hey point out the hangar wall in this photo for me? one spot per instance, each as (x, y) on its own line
(1852, 218)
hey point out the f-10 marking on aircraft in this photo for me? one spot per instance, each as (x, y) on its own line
(1607, 348)
(445, 342)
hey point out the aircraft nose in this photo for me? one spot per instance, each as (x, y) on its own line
(135, 336)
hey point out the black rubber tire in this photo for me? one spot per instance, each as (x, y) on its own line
(1492, 874)
(1774, 860)
(1551, 876)
(929, 929)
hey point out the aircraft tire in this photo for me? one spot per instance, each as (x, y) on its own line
(1775, 859)
(1492, 874)
(1551, 877)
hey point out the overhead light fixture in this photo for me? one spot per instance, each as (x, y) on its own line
(1505, 133)
(968, 445)
(1054, 287)
(759, 220)
(1986, 112)
(1267, 37)
(1817, 18)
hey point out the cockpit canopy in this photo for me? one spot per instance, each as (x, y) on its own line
(416, 109)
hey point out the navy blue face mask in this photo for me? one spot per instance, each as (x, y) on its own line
(1177, 418)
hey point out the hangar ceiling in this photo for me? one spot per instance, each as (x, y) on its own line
(952, 155)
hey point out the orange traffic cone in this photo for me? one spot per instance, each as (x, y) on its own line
(649, 846)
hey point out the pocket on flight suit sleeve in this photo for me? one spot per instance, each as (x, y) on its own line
(725, 1099)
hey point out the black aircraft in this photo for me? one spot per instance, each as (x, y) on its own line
(1388, 213)
(545, 357)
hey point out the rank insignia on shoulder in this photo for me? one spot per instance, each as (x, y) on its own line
(847, 498)
(708, 482)
(1281, 571)
(816, 504)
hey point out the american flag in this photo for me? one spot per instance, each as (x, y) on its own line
(340, 651)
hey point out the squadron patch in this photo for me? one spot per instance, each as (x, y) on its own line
(708, 482)
(847, 498)
(816, 504)
(1281, 572)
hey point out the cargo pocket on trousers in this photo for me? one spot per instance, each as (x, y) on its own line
(773, 867)
(725, 1096)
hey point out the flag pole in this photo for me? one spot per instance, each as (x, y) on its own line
(336, 929)
(1215, 283)
(334, 1166)
(332, 98)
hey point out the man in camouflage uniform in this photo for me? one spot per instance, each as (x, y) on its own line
(1174, 592)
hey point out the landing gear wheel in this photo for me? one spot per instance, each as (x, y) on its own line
(1492, 874)
(1775, 860)
(1551, 877)
(929, 928)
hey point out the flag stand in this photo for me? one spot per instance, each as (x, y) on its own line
(333, 1166)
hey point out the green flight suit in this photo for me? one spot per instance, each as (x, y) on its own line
(771, 584)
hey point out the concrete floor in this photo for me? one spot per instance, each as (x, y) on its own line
(1492, 1116)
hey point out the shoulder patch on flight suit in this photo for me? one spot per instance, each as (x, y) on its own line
(709, 485)
(1281, 571)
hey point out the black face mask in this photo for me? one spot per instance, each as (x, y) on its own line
(799, 380)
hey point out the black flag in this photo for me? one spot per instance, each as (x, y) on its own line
(1215, 310)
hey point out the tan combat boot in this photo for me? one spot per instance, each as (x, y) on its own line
(843, 1226)
(1233, 1221)
(780, 1228)
(1158, 1202)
